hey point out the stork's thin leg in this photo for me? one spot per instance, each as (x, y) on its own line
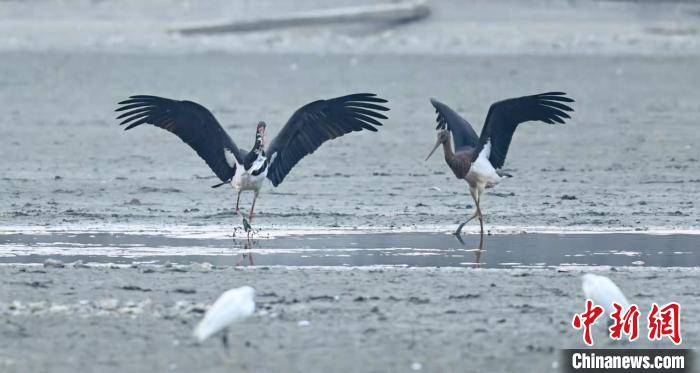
(474, 197)
(478, 209)
(246, 222)
(238, 209)
(252, 208)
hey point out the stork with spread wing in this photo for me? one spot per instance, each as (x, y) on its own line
(308, 128)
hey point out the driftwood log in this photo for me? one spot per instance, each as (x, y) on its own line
(387, 13)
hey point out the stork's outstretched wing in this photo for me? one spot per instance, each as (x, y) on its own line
(465, 138)
(504, 116)
(320, 121)
(191, 122)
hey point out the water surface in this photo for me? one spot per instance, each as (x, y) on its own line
(367, 249)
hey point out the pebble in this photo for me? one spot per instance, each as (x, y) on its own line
(79, 264)
(53, 263)
(36, 306)
(58, 308)
(303, 323)
(109, 304)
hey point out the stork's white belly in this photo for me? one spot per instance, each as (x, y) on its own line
(481, 171)
(248, 181)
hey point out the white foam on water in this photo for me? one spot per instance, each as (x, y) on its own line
(271, 232)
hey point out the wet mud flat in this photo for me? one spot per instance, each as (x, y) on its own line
(140, 318)
(628, 158)
(412, 249)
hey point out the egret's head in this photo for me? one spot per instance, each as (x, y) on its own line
(248, 291)
(443, 136)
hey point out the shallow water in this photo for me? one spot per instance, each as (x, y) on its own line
(369, 249)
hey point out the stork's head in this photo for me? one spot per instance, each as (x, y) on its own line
(260, 130)
(260, 136)
(443, 137)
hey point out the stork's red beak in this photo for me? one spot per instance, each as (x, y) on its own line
(261, 132)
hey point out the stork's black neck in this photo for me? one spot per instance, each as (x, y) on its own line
(255, 153)
(447, 148)
(258, 147)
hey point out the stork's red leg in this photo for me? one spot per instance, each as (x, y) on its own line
(252, 208)
(478, 209)
(476, 212)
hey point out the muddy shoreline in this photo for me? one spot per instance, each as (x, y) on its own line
(139, 319)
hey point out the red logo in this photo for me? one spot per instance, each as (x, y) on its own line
(586, 320)
(662, 322)
(665, 322)
(627, 323)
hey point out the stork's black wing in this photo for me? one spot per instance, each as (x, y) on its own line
(504, 116)
(464, 136)
(320, 121)
(191, 122)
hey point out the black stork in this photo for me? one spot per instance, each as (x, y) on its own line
(308, 128)
(478, 159)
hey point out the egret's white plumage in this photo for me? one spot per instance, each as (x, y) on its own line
(603, 292)
(232, 306)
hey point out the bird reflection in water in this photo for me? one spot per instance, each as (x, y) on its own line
(477, 252)
(246, 257)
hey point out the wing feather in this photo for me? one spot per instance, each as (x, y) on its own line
(191, 122)
(318, 122)
(463, 135)
(505, 116)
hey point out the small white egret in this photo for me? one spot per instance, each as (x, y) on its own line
(232, 306)
(603, 292)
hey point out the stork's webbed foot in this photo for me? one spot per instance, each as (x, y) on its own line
(458, 232)
(459, 238)
(246, 225)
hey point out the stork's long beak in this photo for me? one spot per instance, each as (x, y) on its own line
(437, 143)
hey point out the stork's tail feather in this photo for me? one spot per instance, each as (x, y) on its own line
(220, 184)
(503, 174)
